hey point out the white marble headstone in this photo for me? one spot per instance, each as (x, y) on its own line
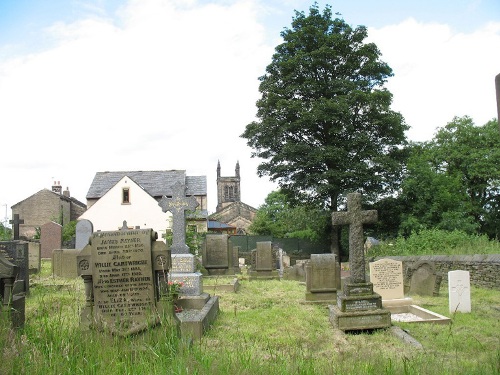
(459, 291)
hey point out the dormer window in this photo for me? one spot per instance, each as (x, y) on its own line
(125, 196)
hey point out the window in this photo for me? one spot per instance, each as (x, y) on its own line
(125, 196)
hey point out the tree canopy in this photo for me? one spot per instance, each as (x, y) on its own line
(325, 127)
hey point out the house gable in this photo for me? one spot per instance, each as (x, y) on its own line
(141, 210)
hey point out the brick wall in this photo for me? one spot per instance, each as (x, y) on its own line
(484, 268)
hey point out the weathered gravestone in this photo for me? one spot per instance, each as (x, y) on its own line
(297, 271)
(200, 309)
(124, 273)
(387, 278)
(423, 279)
(322, 278)
(50, 238)
(263, 262)
(17, 252)
(64, 263)
(459, 291)
(34, 257)
(358, 306)
(218, 255)
(11, 292)
(84, 230)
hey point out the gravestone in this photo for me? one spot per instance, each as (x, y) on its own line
(124, 274)
(236, 259)
(12, 293)
(263, 262)
(358, 306)
(387, 278)
(322, 278)
(199, 308)
(459, 291)
(84, 230)
(64, 263)
(50, 238)
(15, 225)
(17, 252)
(423, 279)
(34, 257)
(217, 255)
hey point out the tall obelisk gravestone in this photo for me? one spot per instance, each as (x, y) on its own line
(183, 262)
(358, 307)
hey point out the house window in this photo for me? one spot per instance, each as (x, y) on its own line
(125, 196)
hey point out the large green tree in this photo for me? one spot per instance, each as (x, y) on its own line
(453, 181)
(325, 127)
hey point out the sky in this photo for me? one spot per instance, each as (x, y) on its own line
(88, 86)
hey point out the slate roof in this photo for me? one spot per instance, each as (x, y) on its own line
(155, 183)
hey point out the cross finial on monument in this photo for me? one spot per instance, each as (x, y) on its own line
(178, 205)
(355, 217)
(15, 225)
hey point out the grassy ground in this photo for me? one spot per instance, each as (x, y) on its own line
(263, 329)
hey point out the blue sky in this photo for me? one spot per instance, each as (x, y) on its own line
(95, 85)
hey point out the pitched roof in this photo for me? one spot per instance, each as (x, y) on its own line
(155, 183)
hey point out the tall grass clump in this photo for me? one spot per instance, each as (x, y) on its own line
(437, 242)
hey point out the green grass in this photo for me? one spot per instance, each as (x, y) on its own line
(263, 329)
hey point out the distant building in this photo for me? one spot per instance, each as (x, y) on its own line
(133, 196)
(47, 205)
(230, 210)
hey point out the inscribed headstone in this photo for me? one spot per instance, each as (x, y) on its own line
(264, 257)
(84, 229)
(216, 257)
(64, 263)
(387, 278)
(122, 271)
(459, 291)
(322, 278)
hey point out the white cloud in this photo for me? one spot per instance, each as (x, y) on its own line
(440, 73)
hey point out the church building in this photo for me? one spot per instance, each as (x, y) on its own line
(231, 211)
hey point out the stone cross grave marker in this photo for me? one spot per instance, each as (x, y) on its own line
(15, 225)
(122, 273)
(358, 307)
(459, 291)
(178, 205)
(355, 218)
(387, 278)
(84, 229)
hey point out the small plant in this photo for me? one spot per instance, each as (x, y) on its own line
(175, 287)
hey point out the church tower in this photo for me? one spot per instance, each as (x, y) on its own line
(228, 188)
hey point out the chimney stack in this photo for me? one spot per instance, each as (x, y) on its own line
(57, 188)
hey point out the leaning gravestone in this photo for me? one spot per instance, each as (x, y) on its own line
(263, 262)
(358, 306)
(459, 291)
(322, 278)
(84, 230)
(12, 294)
(17, 252)
(217, 255)
(124, 273)
(423, 279)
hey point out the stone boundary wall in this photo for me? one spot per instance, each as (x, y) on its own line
(484, 268)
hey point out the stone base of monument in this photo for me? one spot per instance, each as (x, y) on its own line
(231, 287)
(417, 314)
(397, 304)
(194, 322)
(263, 275)
(222, 271)
(359, 308)
(319, 298)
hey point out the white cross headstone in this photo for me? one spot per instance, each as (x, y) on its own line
(459, 291)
